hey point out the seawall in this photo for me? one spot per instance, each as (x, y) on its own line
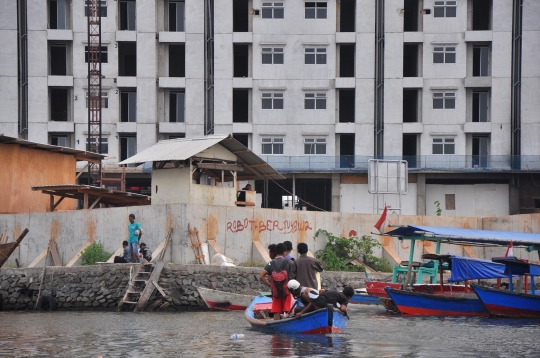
(100, 287)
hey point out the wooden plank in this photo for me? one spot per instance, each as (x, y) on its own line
(133, 272)
(54, 253)
(57, 203)
(6, 255)
(82, 171)
(42, 277)
(116, 253)
(214, 245)
(76, 257)
(427, 247)
(39, 258)
(95, 202)
(245, 203)
(219, 166)
(469, 251)
(160, 289)
(149, 289)
(392, 254)
(85, 201)
(261, 250)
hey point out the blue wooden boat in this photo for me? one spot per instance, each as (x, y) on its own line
(507, 303)
(363, 298)
(448, 304)
(325, 320)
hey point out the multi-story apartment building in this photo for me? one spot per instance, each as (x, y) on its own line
(316, 88)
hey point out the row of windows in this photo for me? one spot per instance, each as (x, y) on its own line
(274, 146)
(274, 100)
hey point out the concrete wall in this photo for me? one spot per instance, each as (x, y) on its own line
(233, 228)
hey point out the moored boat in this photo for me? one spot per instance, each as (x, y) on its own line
(324, 320)
(226, 301)
(361, 297)
(507, 303)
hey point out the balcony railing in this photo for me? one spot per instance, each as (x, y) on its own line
(437, 163)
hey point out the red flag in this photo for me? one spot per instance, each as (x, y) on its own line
(383, 220)
(509, 251)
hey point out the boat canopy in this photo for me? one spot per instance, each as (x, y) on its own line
(517, 266)
(467, 268)
(433, 233)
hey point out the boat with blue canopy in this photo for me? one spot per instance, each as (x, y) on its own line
(324, 320)
(512, 303)
(450, 304)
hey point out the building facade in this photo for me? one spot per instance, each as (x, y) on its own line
(316, 88)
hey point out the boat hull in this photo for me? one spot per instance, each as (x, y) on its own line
(225, 301)
(364, 299)
(325, 320)
(508, 304)
(374, 288)
(423, 304)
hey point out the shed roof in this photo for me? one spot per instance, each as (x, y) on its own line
(469, 235)
(185, 148)
(79, 155)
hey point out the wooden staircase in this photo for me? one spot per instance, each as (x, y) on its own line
(143, 282)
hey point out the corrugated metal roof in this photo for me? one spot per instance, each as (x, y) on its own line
(469, 235)
(185, 148)
(80, 155)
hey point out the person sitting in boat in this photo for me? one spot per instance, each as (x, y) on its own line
(279, 270)
(303, 295)
(339, 300)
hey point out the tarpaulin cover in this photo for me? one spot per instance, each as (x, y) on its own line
(467, 268)
(518, 266)
(470, 235)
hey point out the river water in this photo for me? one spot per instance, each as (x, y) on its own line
(371, 332)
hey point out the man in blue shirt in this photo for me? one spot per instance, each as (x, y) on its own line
(135, 233)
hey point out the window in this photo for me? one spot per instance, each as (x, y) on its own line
(61, 140)
(272, 145)
(127, 15)
(104, 54)
(58, 59)
(450, 201)
(443, 146)
(104, 99)
(128, 147)
(480, 106)
(102, 9)
(481, 61)
(444, 100)
(58, 12)
(176, 15)
(316, 10)
(176, 136)
(272, 100)
(445, 8)
(446, 54)
(315, 101)
(315, 55)
(314, 145)
(177, 106)
(177, 60)
(272, 10)
(272, 55)
(91, 146)
(127, 59)
(59, 104)
(128, 106)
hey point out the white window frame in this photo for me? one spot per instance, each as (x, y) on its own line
(315, 100)
(180, 25)
(315, 10)
(272, 6)
(104, 99)
(318, 54)
(272, 144)
(448, 53)
(445, 5)
(66, 136)
(445, 143)
(273, 53)
(181, 110)
(104, 144)
(483, 112)
(316, 145)
(274, 97)
(446, 98)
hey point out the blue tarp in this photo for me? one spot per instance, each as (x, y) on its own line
(466, 268)
(470, 235)
(518, 266)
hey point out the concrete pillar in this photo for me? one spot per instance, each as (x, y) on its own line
(336, 181)
(420, 194)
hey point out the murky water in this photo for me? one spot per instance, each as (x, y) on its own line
(370, 333)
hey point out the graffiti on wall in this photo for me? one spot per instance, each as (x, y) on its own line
(284, 227)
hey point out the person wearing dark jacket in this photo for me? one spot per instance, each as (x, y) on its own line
(145, 252)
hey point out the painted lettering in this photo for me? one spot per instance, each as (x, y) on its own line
(286, 227)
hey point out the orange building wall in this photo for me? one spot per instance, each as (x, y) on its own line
(21, 168)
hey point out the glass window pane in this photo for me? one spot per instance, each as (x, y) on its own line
(438, 95)
(278, 58)
(309, 50)
(278, 140)
(437, 140)
(266, 140)
(61, 11)
(266, 13)
(321, 149)
(310, 13)
(437, 148)
(278, 148)
(438, 11)
(309, 103)
(180, 16)
(308, 148)
(267, 149)
(449, 149)
(321, 103)
(438, 57)
(180, 97)
(267, 58)
(437, 103)
(450, 57)
(278, 94)
(279, 13)
(267, 95)
(483, 106)
(310, 59)
(449, 103)
(321, 13)
(132, 106)
(451, 11)
(267, 103)
(321, 59)
(278, 103)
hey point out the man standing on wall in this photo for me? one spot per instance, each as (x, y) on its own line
(242, 195)
(305, 268)
(135, 233)
(279, 269)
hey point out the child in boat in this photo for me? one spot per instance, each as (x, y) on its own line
(339, 300)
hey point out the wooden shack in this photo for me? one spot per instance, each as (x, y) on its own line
(26, 164)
